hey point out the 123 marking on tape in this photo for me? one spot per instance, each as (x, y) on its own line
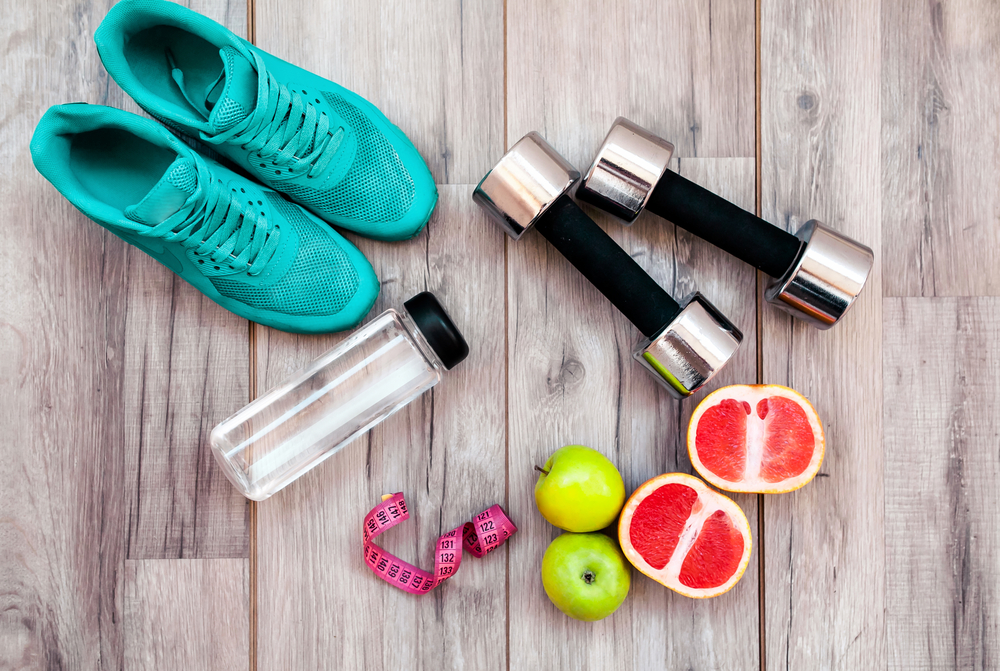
(489, 530)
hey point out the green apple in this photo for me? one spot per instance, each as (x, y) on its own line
(585, 575)
(579, 490)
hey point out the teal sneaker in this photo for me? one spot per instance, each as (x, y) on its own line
(326, 148)
(239, 243)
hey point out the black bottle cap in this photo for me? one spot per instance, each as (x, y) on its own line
(437, 328)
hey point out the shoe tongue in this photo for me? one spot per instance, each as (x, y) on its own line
(234, 95)
(168, 195)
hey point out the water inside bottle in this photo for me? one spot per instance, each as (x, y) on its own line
(291, 429)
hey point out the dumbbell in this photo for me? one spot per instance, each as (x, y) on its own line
(684, 346)
(816, 273)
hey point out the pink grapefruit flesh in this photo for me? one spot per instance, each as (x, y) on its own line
(756, 438)
(685, 536)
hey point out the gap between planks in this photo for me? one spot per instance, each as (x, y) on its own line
(253, 531)
(252, 359)
(758, 206)
(506, 369)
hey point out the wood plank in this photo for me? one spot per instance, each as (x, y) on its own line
(942, 366)
(824, 553)
(445, 452)
(684, 68)
(940, 204)
(186, 614)
(72, 314)
(434, 67)
(62, 342)
(570, 362)
(186, 369)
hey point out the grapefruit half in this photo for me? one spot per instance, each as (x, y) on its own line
(757, 438)
(685, 536)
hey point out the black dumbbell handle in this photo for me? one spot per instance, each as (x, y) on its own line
(608, 266)
(715, 219)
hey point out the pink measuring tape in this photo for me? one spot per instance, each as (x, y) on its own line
(488, 531)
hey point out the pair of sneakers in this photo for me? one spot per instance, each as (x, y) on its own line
(257, 244)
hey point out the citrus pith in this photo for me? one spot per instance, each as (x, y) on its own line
(685, 536)
(765, 439)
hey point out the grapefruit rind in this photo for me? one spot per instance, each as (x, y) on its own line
(713, 501)
(752, 393)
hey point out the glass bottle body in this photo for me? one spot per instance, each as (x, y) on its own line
(295, 426)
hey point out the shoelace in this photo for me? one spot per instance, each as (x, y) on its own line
(219, 227)
(282, 125)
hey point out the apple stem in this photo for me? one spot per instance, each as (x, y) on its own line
(588, 577)
(541, 470)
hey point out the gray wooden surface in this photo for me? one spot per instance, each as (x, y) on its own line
(122, 547)
(186, 614)
(113, 374)
(939, 147)
(941, 563)
(824, 545)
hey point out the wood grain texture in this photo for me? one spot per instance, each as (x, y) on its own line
(940, 147)
(444, 451)
(877, 118)
(62, 342)
(73, 314)
(186, 369)
(576, 382)
(186, 614)
(824, 547)
(434, 67)
(683, 68)
(942, 381)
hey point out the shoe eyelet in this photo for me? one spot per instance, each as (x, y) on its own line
(260, 202)
(317, 101)
(262, 165)
(277, 172)
(242, 190)
(216, 267)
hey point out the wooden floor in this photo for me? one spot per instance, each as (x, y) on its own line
(123, 546)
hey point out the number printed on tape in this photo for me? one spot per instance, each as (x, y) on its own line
(488, 531)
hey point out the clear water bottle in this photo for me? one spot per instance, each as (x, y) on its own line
(292, 428)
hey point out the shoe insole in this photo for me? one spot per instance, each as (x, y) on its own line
(198, 60)
(117, 167)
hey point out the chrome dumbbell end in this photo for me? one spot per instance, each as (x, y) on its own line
(816, 281)
(523, 184)
(686, 344)
(628, 166)
(825, 280)
(691, 349)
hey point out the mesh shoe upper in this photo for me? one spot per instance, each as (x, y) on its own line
(377, 186)
(241, 244)
(299, 133)
(321, 279)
